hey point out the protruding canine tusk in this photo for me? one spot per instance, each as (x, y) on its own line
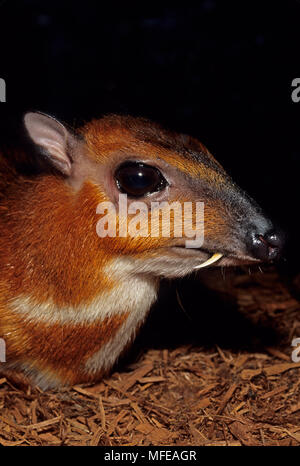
(211, 260)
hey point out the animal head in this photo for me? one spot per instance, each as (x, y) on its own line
(157, 172)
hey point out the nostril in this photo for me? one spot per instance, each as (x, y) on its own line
(275, 239)
(267, 246)
(271, 251)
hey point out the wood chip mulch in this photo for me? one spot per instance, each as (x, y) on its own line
(180, 395)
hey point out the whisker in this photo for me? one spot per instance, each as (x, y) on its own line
(223, 272)
(181, 305)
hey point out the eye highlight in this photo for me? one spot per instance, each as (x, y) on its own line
(139, 179)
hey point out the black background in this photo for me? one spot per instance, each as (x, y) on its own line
(219, 70)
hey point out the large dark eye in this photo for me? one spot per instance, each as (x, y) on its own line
(138, 179)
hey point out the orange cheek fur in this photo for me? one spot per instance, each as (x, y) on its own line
(103, 141)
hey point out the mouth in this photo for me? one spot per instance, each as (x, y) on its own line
(211, 257)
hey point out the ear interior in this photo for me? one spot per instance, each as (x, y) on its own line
(53, 137)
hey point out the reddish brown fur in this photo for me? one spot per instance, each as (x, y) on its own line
(41, 345)
(47, 212)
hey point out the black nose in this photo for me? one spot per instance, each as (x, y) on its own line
(267, 246)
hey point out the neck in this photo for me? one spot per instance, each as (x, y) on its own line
(70, 309)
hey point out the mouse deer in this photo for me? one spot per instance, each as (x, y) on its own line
(71, 299)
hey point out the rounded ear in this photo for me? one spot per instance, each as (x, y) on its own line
(52, 137)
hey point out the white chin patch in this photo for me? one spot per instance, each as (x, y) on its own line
(211, 260)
